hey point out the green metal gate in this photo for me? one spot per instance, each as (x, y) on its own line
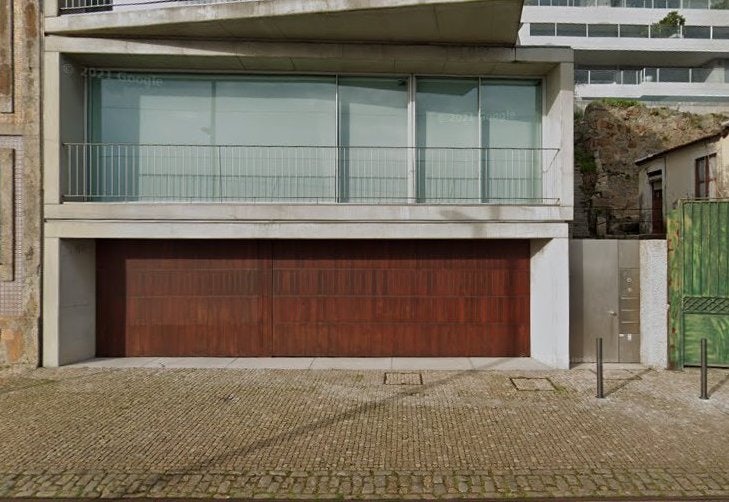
(698, 282)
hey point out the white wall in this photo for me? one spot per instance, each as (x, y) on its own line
(69, 304)
(653, 303)
(550, 340)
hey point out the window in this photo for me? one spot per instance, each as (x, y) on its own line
(571, 30)
(696, 32)
(720, 32)
(603, 30)
(704, 176)
(542, 29)
(633, 31)
(312, 138)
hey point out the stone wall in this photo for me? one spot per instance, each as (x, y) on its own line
(609, 138)
(20, 32)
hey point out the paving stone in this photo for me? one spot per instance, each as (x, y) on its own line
(343, 434)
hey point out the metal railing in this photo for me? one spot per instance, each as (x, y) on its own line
(103, 172)
(603, 30)
(645, 75)
(88, 6)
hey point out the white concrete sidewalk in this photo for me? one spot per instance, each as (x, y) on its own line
(323, 363)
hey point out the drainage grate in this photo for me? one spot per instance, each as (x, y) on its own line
(523, 383)
(403, 379)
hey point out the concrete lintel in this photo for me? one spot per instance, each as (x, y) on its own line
(346, 213)
(101, 229)
(306, 50)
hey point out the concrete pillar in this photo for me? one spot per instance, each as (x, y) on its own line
(69, 301)
(654, 303)
(550, 338)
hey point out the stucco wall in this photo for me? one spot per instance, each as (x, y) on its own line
(20, 197)
(654, 302)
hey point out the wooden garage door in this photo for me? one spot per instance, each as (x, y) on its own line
(314, 298)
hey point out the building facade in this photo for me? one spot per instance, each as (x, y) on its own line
(286, 178)
(695, 170)
(20, 223)
(622, 52)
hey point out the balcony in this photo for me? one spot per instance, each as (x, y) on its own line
(133, 173)
(487, 22)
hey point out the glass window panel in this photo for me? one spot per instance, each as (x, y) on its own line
(720, 32)
(603, 30)
(696, 4)
(541, 29)
(143, 110)
(674, 75)
(287, 128)
(630, 76)
(696, 32)
(276, 110)
(511, 131)
(604, 76)
(373, 112)
(673, 4)
(633, 31)
(581, 76)
(720, 4)
(571, 30)
(447, 131)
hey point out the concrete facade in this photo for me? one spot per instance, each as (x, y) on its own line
(20, 252)
(72, 227)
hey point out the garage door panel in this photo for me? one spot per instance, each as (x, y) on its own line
(313, 298)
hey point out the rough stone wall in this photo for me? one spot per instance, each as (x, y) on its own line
(20, 189)
(609, 138)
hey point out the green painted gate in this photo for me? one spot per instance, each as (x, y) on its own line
(698, 282)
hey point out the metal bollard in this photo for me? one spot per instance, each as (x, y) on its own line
(704, 371)
(600, 393)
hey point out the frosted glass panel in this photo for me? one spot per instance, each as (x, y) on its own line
(511, 117)
(447, 127)
(265, 114)
(152, 111)
(373, 112)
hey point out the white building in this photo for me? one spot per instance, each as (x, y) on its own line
(620, 53)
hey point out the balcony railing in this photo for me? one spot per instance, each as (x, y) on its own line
(85, 6)
(645, 75)
(95, 172)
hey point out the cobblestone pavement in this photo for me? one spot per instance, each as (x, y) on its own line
(346, 434)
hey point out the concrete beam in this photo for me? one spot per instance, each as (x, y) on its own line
(493, 22)
(306, 212)
(100, 229)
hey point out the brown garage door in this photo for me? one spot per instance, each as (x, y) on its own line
(313, 298)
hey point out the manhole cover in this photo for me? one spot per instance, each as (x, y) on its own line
(403, 379)
(523, 383)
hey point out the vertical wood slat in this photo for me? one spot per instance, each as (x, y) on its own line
(313, 298)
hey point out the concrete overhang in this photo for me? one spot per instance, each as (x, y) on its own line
(481, 22)
(308, 57)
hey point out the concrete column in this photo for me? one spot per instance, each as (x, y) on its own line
(654, 303)
(69, 301)
(550, 338)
